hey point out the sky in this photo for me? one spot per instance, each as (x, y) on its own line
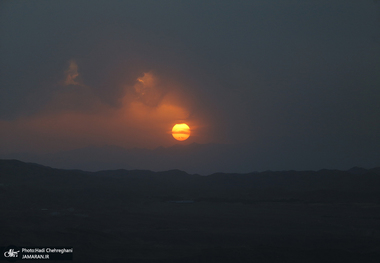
(281, 73)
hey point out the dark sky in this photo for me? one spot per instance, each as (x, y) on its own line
(94, 73)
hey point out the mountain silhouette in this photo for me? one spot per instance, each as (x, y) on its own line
(275, 154)
(172, 216)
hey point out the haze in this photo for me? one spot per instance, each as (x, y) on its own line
(292, 84)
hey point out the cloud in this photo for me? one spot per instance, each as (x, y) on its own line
(76, 118)
(72, 74)
(148, 90)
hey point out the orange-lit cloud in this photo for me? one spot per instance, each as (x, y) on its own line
(71, 74)
(149, 90)
(76, 117)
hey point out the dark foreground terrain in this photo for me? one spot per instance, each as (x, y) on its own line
(143, 216)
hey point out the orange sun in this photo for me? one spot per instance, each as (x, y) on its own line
(181, 131)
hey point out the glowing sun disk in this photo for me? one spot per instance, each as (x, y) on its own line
(181, 131)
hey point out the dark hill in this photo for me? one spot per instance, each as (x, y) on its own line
(172, 216)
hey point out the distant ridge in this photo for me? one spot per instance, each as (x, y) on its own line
(278, 155)
(19, 163)
(359, 180)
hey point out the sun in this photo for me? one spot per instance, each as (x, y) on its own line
(181, 131)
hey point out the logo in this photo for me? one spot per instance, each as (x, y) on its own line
(12, 253)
